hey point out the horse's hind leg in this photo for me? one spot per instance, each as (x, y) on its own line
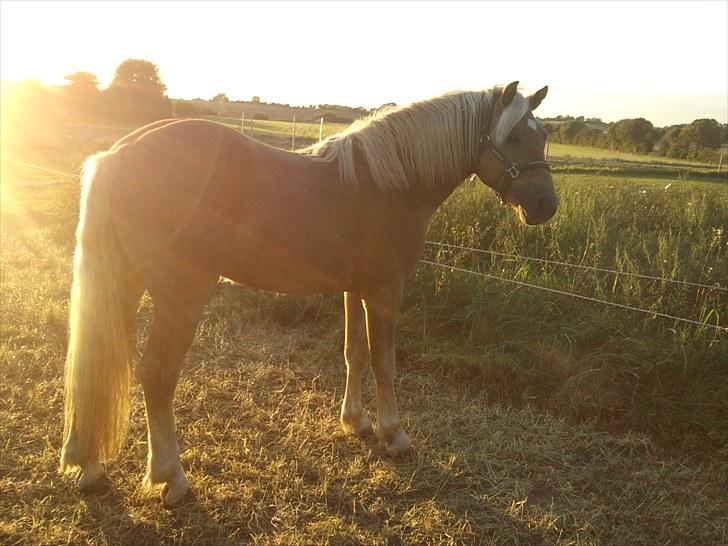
(356, 352)
(176, 312)
(381, 305)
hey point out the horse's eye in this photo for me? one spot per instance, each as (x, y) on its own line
(513, 139)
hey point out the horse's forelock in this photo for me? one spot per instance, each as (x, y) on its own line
(508, 119)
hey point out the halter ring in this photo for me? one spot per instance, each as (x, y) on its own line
(513, 171)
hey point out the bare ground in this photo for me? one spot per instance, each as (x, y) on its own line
(257, 412)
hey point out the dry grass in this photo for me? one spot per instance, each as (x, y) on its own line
(257, 414)
(257, 410)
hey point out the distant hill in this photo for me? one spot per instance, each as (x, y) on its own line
(591, 123)
(274, 111)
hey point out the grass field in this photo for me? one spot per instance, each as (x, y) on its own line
(536, 418)
(556, 149)
(280, 133)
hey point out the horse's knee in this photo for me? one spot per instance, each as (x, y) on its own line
(158, 378)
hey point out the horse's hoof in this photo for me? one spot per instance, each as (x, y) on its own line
(395, 442)
(360, 425)
(91, 478)
(176, 494)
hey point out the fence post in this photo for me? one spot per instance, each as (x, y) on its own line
(321, 129)
(720, 161)
(547, 150)
(242, 124)
(293, 135)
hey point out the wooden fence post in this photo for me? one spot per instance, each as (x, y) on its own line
(720, 161)
(321, 129)
(242, 124)
(293, 135)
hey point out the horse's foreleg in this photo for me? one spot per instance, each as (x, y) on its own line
(382, 305)
(354, 418)
(175, 320)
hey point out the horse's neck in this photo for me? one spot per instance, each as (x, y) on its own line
(434, 197)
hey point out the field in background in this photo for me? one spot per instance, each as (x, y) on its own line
(557, 149)
(537, 419)
(280, 133)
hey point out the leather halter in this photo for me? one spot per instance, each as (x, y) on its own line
(511, 169)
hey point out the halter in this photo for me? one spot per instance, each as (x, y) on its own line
(511, 169)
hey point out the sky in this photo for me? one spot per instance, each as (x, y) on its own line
(664, 61)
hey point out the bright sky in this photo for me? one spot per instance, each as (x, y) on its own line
(665, 61)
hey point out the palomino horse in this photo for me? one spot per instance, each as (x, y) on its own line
(176, 204)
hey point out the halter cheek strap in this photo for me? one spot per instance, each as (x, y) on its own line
(511, 169)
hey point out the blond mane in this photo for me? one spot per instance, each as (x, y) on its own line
(427, 143)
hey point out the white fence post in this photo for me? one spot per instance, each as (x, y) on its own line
(242, 124)
(720, 161)
(321, 129)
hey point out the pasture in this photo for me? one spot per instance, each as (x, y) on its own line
(536, 418)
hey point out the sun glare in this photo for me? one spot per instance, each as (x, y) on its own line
(367, 54)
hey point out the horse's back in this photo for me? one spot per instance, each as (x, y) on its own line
(199, 196)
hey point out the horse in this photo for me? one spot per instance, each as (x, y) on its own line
(178, 204)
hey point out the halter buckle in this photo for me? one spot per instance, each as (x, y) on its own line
(513, 171)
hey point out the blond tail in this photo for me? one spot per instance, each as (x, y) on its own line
(98, 363)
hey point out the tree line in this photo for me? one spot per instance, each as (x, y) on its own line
(700, 140)
(136, 94)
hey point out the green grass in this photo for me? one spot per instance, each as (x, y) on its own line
(536, 419)
(559, 150)
(578, 359)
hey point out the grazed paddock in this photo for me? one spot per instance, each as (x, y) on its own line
(536, 420)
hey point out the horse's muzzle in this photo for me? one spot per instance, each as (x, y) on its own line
(539, 204)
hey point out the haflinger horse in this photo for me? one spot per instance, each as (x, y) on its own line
(177, 204)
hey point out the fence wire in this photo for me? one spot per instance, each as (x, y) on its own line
(513, 281)
(578, 296)
(715, 286)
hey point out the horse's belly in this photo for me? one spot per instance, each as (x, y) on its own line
(290, 268)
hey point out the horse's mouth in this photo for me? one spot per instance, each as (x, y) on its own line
(533, 219)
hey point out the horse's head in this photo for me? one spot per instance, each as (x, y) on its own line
(511, 155)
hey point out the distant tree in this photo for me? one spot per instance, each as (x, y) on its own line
(137, 92)
(84, 81)
(185, 109)
(568, 130)
(220, 97)
(697, 141)
(706, 133)
(631, 135)
(256, 99)
(82, 95)
(139, 74)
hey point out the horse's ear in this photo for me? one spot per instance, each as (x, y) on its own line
(508, 93)
(535, 99)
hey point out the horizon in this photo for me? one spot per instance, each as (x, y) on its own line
(639, 70)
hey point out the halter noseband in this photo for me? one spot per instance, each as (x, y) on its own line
(511, 169)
